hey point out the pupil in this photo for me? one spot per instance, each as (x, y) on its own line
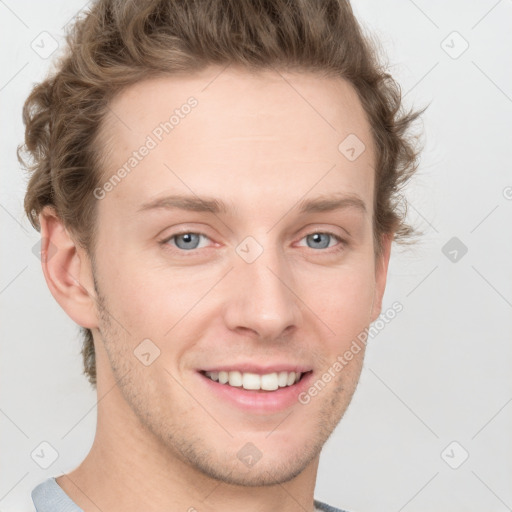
(317, 238)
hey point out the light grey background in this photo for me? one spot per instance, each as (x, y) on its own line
(438, 373)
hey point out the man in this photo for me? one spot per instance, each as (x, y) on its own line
(215, 185)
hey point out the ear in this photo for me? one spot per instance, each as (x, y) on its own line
(381, 272)
(67, 270)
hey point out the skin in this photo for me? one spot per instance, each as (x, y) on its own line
(260, 145)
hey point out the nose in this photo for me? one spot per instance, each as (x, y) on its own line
(262, 300)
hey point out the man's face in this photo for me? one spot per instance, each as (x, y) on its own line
(251, 288)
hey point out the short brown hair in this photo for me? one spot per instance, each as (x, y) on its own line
(118, 43)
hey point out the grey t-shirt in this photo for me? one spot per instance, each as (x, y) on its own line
(49, 496)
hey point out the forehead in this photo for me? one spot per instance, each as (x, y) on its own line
(259, 134)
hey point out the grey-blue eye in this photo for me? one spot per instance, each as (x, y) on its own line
(190, 241)
(321, 243)
(186, 240)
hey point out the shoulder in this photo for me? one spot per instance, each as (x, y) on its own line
(48, 496)
(323, 507)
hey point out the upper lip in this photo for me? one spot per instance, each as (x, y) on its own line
(259, 369)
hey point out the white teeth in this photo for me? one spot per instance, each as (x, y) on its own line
(235, 378)
(282, 379)
(250, 381)
(253, 381)
(291, 378)
(269, 382)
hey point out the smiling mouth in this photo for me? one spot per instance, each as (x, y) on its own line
(266, 383)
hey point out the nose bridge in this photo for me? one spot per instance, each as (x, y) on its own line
(262, 282)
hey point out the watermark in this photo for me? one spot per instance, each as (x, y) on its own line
(48, 253)
(342, 360)
(146, 352)
(454, 45)
(249, 454)
(352, 147)
(507, 193)
(249, 249)
(454, 249)
(455, 455)
(44, 45)
(44, 455)
(151, 142)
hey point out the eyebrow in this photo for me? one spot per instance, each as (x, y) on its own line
(215, 206)
(334, 202)
(190, 203)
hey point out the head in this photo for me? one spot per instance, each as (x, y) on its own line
(264, 114)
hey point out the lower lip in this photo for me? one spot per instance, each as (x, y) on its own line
(259, 402)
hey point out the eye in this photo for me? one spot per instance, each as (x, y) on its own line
(185, 241)
(190, 241)
(321, 240)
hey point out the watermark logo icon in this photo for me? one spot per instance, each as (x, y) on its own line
(249, 249)
(454, 45)
(454, 249)
(44, 455)
(44, 45)
(351, 147)
(249, 455)
(455, 455)
(50, 252)
(146, 352)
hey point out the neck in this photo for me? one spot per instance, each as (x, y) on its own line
(128, 470)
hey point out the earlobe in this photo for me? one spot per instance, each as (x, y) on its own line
(381, 271)
(67, 270)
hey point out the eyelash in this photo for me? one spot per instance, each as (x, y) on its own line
(330, 250)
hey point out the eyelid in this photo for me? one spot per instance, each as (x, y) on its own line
(328, 229)
(182, 231)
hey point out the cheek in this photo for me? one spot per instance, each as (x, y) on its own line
(150, 301)
(343, 300)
